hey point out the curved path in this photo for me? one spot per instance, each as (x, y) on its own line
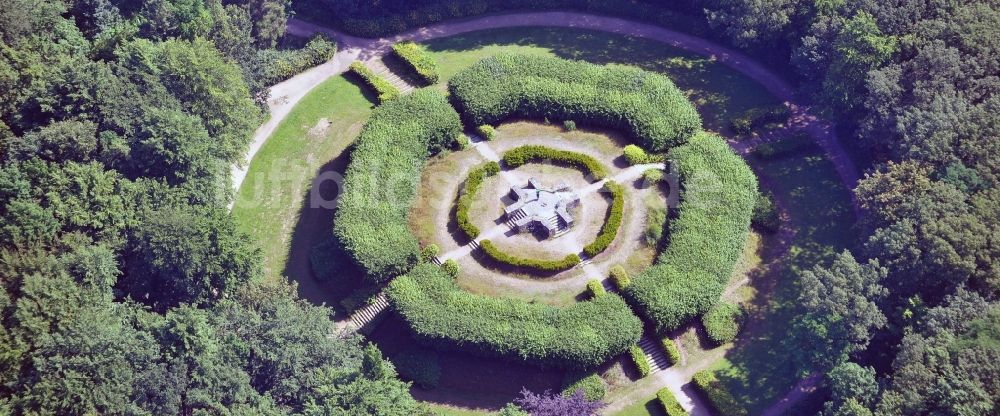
(285, 95)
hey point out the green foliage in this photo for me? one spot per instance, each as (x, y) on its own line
(487, 131)
(472, 184)
(444, 316)
(462, 141)
(385, 90)
(420, 365)
(521, 155)
(758, 117)
(673, 351)
(545, 266)
(720, 399)
(635, 155)
(645, 105)
(429, 252)
(652, 177)
(620, 277)
(765, 214)
(640, 360)
(592, 384)
(418, 59)
(283, 64)
(609, 230)
(722, 322)
(670, 404)
(595, 288)
(382, 180)
(569, 125)
(450, 267)
(706, 239)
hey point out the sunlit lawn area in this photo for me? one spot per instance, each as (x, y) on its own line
(647, 407)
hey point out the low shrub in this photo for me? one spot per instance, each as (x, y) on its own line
(652, 177)
(418, 59)
(569, 125)
(670, 404)
(487, 132)
(463, 142)
(706, 238)
(719, 399)
(620, 277)
(595, 288)
(592, 384)
(645, 105)
(498, 255)
(278, 65)
(640, 360)
(385, 90)
(381, 181)
(722, 322)
(444, 316)
(450, 266)
(519, 156)
(673, 351)
(758, 117)
(766, 217)
(472, 184)
(635, 155)
(611, 224)
(429, 252)
(419, 365)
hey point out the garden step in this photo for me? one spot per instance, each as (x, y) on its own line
(383, 71)
(366, 315)
(474, 244)
(654, 354)
(436, 260)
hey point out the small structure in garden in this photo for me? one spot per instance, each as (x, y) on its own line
(536, 207)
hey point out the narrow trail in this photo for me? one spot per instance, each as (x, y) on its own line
(285, 95)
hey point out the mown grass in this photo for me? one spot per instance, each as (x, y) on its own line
(646, 407)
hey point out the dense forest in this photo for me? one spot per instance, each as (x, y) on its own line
(128, 290)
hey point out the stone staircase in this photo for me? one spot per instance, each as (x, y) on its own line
(655, 354)
(363, 319)
(560, 226)
(513, 218)
(436, 261)
(379, 68)
(474, 245)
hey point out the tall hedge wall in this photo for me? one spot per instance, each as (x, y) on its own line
(643, 104)
(382, 180)
(444, 316)
(706, 239)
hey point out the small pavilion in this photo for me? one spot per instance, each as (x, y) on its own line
(536, 207)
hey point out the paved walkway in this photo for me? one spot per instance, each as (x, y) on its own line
(285, 95)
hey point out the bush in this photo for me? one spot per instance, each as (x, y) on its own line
(652, 177)
(673, 352)
(592, 385)
(418, 59)
(462, 141)
(717, 396)
(569, 125)
(595, 288)
(765, 214)
(472, 184)
(639, 358)
(706, 239)
(279, 65)
(429, 252)
(670, 403)
(758, 117)
(496, 254)
(450, 266)
(382, 179)
(487, 132)
(383, 88)
(722, 322)
(620, 277)
(533, 153)
(419, 365)
(444, 316)
(645, 105)
(635, 155)
(611, 224)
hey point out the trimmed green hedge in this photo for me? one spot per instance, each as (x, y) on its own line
(382, 180)
(279, 65)
(635, 155)
(444, 316)
(706, 238)
(670, 403)
(592, 385)
(419, 365)
(595, 288)
(640, 360)
(521, 155)
(722, 322)
(673, 352)
(620, 277)
(487, 132)
(717, 396)
(472, 184)
(611, 224)
(645, 105)
(418, 59)
(383, 88)
(495, 253)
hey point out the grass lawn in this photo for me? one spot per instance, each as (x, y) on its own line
(646, 407)
(441, 410)
(719, 92)
(757, 370)
(273, 203)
